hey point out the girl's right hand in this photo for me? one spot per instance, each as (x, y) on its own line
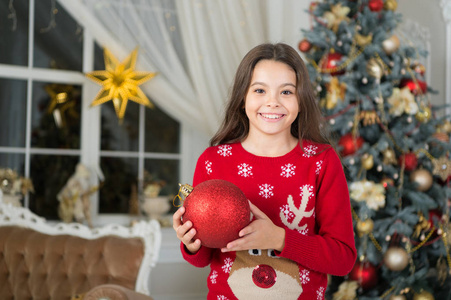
(185, 231)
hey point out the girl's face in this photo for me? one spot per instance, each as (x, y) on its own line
(271, 103)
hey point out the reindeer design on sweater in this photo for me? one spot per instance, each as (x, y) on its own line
(260, 274)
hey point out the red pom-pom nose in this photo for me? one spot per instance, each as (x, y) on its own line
(264, 276)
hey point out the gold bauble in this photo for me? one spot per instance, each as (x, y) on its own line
(390, 5)
(423, 179)
(396, 258)
(374, 68)
(391, 45)
(424, 115)
(389, 157)
(397, 297)
(367, 161)
(423, 295)
(364, 227)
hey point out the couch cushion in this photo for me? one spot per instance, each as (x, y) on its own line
(35, 265)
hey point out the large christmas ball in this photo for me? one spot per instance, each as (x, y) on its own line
(330, 64)
(218, 210)
(423, 179)
(376, 5)
(365, 274)
(411, 161)
(415, 89)
(350, 144)
(396, 258)
(423, 295)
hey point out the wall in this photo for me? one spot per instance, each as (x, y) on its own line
(429, 15)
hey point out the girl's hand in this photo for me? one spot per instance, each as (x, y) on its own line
(259, 234)
(185, 232)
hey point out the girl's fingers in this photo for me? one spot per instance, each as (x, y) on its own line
(177, 218)
(258, 214)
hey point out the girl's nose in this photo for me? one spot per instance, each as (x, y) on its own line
(272, 101)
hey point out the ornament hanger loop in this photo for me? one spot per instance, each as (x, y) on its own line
(185, 190)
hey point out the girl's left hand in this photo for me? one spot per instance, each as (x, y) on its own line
(261, 233)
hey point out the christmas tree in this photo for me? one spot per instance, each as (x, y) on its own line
(394, 146)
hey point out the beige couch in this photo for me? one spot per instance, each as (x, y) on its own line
(71, 261)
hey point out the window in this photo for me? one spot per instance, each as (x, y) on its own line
(43, 54)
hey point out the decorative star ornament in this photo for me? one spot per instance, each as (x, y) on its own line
(120, 83)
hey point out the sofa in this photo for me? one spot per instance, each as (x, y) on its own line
(39, 260)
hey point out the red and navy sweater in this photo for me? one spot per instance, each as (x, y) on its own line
(303, 191)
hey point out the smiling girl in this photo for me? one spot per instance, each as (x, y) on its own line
(273, 146)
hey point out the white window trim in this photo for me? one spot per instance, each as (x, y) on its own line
(190, 142)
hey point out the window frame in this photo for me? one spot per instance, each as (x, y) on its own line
(90, 131)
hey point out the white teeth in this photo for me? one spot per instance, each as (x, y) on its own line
(271, 116)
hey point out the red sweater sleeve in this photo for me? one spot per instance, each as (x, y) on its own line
(332, 250)
(201, 258)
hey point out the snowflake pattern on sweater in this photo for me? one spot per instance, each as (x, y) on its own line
(304, 192)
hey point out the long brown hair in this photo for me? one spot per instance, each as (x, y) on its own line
(309, 124)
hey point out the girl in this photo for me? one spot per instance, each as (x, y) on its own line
(272, 146)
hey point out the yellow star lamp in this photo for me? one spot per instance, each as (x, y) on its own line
(120, 83)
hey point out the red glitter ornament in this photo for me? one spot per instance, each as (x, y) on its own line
(418, 87)
(218, 210)
(376, 5)
(330, 64)
(365, 274)
(350, 144)
(411, 161)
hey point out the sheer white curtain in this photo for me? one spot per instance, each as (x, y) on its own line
(194, 45)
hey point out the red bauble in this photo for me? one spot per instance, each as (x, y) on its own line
(330, 63)
(435, 217)
(376, 5)
(350, 144)
(421, 88)
(304, 45)
(218, 210)
(365, 274)
(411, 161)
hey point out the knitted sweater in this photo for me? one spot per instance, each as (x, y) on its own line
(303, 191)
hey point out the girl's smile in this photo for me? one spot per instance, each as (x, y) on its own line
(272, 117)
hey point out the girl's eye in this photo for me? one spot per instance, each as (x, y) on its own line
(287, 93)
(259, 91)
